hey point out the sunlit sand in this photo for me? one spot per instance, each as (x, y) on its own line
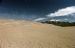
(26, 34)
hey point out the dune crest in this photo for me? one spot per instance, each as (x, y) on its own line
(26, 34)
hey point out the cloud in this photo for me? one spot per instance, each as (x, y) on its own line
(63, 12)
(54, 20)
(68, 11)
(39, 19)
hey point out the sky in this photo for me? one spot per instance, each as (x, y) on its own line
(32, 9)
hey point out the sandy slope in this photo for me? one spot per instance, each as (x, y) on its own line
(26, 34)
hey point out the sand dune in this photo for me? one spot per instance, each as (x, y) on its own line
(26, 34)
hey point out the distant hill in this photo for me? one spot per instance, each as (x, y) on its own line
(60, 20)
(60, 23)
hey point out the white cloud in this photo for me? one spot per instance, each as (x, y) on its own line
(55, 20)
(66, 19)
(39, 19)
(63, 12)
(60, 12)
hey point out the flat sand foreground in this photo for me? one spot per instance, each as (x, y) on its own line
(26, 34)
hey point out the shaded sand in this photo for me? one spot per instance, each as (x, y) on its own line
(26, 34)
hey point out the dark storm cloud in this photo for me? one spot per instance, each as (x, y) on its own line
(38, 8)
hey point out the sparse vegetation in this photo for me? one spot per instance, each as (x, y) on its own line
(59, 23)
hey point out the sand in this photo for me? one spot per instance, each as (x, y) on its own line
(26, 34)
